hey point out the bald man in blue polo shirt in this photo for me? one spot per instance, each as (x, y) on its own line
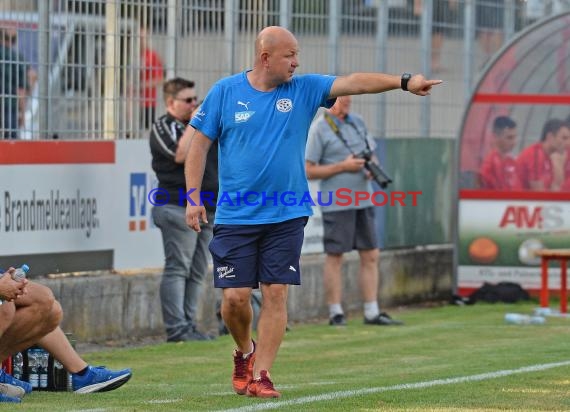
(260, 119)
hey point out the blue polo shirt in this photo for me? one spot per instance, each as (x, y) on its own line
(262, 138)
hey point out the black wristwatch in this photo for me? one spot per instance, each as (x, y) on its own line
(405, 79)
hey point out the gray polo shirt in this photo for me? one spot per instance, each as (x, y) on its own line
(324, 147)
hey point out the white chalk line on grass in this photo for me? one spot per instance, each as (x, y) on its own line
(316, 383)
(403, 386)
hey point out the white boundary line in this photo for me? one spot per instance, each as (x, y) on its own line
(403, 386)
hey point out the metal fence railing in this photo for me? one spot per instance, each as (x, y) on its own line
(92, 69)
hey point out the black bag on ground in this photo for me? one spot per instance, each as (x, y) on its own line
(507, 292)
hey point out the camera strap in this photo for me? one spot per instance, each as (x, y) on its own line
(375, 170)
(336, 131)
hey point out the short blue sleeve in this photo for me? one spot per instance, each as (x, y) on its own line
(208, 119)
(323, 83)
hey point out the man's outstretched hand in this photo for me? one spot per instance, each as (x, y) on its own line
(419, 85)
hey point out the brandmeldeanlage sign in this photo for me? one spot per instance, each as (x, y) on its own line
(87, 198)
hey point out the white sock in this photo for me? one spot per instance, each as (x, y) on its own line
(371, 309)
(335, 309)
(245, 355)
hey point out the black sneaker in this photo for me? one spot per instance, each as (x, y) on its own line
(382, 319)
(195, 334)
(337, 320)
(191, 335)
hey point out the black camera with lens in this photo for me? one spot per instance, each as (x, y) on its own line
(374, 168)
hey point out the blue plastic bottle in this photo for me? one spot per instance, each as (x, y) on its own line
(20, 273)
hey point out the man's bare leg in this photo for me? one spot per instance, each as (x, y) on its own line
(57, 344)
(271, 326)
(238, 316)
(332, 278)
(7, 313)
(37, 314)
(369, 274)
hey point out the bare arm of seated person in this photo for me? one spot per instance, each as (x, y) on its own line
(9, 288)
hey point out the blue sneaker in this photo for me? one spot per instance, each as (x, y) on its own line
(10, 380)
(11, 390)
(99, 379)
(6, 398)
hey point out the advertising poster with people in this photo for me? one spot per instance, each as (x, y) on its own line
(514, 162)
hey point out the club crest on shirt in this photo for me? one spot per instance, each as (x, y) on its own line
(284, 105)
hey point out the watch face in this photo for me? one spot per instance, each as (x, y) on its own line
(404, 81)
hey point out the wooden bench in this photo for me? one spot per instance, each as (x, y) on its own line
(546, 255)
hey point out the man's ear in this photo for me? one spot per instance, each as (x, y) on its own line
(264, 57)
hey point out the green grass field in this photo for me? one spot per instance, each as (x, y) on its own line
(445, 358)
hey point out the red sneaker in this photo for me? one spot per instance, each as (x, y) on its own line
(243, 370)
(262, 387)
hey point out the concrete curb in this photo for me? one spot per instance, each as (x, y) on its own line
(103, 307)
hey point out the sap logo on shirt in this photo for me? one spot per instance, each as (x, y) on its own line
(241, 117)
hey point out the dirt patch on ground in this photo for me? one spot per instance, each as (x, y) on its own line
(87, 347)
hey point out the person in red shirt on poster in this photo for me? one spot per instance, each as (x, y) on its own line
(566, 185)
(499, 168)
(152, 76)
(535, 168)
(561, 162)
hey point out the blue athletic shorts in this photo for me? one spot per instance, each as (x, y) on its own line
(245, 255)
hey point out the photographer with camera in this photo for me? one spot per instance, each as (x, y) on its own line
(340, 153)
